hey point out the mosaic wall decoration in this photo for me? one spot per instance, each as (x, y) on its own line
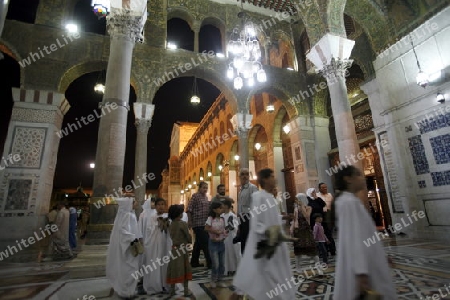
(422, 184)
(19, 192)
(29, 143)
(441, 148)
(440, 178)
(418, 155)
(433, 122)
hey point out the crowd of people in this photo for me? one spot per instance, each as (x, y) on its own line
(250, 246)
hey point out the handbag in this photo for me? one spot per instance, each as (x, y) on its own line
(136, 248)
(370, 295)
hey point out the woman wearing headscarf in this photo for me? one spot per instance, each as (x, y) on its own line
(120, 262)
(317, 204)
(301, 230)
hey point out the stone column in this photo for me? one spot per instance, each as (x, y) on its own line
(27, 167)
(278, 165)
(331, 58)
(196, 29)
(322, 146)
(241, 124)
(304, 153)
(124, 29)
(3, 12)
(143, 114)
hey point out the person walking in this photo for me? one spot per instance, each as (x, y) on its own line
(198, 209)
(244, 206)
(327, 224)
(358, 268)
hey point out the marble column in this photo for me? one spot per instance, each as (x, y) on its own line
(241, 124)
(331, 58)
(124, 29)
(278, 165)
(322, 146)
(27, 167)
(143, 114)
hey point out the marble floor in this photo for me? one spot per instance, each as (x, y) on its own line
(420, 269)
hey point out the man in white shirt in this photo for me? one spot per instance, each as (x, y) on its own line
(328, 198)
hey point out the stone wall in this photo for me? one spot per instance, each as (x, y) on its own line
(415, 128)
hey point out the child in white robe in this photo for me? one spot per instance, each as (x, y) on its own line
(232, 251)
(120, 263)
(358, 267)
(267, 273)
(157, 245)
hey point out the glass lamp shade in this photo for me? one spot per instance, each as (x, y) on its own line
(99, 88)
(238, 83)
(238, 62)
(261, 76)
(195, 99)
(270, 108)
(230, 73)
(422, 79)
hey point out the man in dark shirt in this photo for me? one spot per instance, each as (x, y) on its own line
(244, 206)
(198, 209)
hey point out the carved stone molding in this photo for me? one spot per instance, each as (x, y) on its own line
(36, 116)
(143, 125)
(336, 68)
(124, 24)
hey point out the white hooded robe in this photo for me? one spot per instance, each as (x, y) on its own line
(263, 278)
(157, 245)
(120, 263)
(232, 251)
(354, 257)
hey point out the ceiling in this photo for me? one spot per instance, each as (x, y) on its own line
(264, 7)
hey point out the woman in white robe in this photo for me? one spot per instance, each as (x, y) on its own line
(358, 267)
(120, 263)
(265, 278)
(157, 245)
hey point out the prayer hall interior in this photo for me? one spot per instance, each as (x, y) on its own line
(105, 97)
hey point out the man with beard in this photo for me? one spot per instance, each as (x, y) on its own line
(221, 194)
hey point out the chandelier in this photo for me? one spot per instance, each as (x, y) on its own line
(422, 77)
(195, 99)
(100, 7)
(245, 53)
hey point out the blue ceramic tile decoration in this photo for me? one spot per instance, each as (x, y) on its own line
(441, 148)
(433, 122)
(422, 184)
(440, 178)
(418, 155)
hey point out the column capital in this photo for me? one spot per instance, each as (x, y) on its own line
(330, 47)
(196, 26)
(143, 110)
(143, 125)
(123, 23)
(336, 68)
(241, 123)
